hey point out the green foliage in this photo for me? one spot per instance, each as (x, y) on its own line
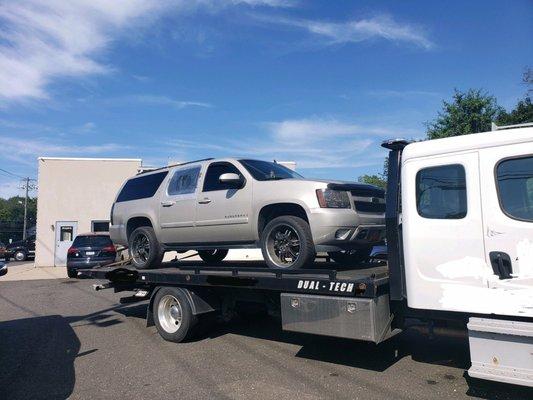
(12, 217)
(376, 180)
(522, 113)
(379, 180)
(469, 112)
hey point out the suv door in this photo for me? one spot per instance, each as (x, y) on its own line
(507, 182)
(223, 211)
(177, 209)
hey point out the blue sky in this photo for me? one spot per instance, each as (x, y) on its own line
(318, 82)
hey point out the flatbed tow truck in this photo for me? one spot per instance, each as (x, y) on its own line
(470, 265)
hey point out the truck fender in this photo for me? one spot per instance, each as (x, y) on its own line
(201, 303)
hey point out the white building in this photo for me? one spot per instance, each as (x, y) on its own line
(75, 196)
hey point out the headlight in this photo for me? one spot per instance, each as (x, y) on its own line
(328, 198)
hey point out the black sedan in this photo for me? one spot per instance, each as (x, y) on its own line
(89, 250)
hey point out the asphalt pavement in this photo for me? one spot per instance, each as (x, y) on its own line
(60, 339)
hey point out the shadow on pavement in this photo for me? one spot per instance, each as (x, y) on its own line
(37, 358)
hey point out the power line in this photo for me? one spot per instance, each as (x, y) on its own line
(12, 174)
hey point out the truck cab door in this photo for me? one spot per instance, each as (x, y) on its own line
(442, 230)
(507, 197)
(224, 209)
(177, 208)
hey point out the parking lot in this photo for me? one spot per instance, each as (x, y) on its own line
(60, 339)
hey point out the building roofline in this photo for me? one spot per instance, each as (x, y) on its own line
(89, 159)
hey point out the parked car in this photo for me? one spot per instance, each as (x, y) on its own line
(20, 250)
(89, 250)
(215, 205)
(3, 268)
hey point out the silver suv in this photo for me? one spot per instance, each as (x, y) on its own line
(215, 205)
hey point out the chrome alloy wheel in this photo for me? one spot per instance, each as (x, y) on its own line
(169, 313)
(140, 248)
(283, 245)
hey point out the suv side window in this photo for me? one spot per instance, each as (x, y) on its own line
(184, 181)
(211, 182)
(141, 187)
(441, 192)
(514, 178)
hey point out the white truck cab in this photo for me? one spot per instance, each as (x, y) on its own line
(467, 223)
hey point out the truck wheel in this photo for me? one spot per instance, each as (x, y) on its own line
(287, 243)
(20, 255)
(144, 248)
(350, 258)
(212, 256)
(173, 315)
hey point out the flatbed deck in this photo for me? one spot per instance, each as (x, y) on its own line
(365, 280)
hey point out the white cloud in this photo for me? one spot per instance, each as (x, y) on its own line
(42, 41)
(10, 188)
(155, 100)
(25, 151)
(402, 94)
(379, 27)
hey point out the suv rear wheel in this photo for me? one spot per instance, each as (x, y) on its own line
(287, 243)
(213, 256)
(144, 248)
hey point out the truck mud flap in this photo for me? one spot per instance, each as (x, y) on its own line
(501, 350)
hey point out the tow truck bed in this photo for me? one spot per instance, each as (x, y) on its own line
(366, 281)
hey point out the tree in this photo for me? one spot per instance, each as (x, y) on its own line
(469, 112)
(379, 180)
(522, 113)
(12, 217)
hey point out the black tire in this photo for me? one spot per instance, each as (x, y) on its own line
(20, 255)
(270, 246)
(72, 273)
(213, 256)
(350, 258)
(144, 248)
(165, 318)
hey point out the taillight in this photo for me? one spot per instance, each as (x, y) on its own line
(109, 249)
(111, 214)
(72, 250)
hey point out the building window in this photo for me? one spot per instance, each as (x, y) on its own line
(514, 178)
(441, 192)
(183, 181)
(100, 226)
(66, 233)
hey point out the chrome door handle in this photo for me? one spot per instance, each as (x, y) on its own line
(167, 203)
(204, 201)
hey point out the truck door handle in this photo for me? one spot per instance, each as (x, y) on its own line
(167, 203)
(205, 200)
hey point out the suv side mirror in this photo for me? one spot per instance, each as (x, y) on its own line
(234, 180)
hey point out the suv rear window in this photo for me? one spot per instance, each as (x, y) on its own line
(141, 187)
(92, 241)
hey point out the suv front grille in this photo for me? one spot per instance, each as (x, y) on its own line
(369, 207)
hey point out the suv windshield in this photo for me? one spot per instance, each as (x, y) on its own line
(268, 171)
(92, 241)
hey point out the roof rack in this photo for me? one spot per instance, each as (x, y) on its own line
(495, 127)
(175, 165)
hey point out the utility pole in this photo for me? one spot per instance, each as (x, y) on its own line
(26, 208)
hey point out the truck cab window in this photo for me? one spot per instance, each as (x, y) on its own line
(184, 181)
(514, 179)
(212, 183)
(441, 192)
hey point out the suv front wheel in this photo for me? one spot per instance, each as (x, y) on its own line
(144, 248)
(287, 243)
